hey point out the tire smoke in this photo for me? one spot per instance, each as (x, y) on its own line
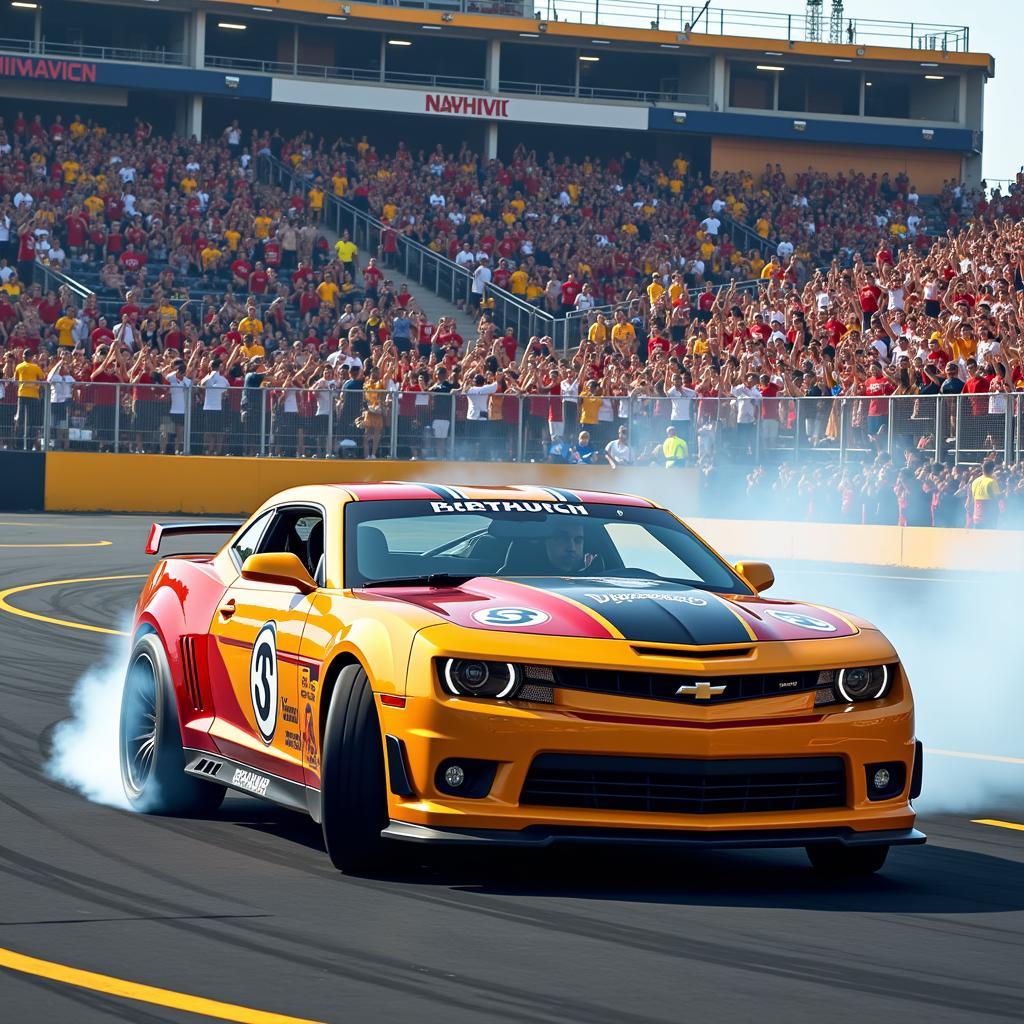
(84, 752)
(955, 640)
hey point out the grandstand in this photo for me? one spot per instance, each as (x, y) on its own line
(475, 230)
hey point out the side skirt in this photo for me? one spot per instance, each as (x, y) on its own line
(234, 775)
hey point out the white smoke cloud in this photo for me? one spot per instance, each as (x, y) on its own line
(84, 752)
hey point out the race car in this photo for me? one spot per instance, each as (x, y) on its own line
(518, 666)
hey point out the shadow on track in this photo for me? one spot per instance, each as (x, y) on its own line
(918, 880)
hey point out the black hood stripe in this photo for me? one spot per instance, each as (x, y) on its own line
(645, 611)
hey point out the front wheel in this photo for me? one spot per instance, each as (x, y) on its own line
(354, 804)
(839, 861)
(151, 754)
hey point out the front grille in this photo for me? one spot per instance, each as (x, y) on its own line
(674, 786)
(665, 686)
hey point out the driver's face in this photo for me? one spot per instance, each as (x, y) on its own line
(565, 548)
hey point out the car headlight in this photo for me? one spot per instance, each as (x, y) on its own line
(470, 678)
(855, 684)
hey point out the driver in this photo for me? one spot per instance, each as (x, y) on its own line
(564, 549)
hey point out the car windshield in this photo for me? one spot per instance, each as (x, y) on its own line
(391, 543)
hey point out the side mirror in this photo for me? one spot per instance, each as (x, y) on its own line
(283, 568)
(758, 574)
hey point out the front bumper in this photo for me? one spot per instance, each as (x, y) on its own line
(434, 727)
(539, 836)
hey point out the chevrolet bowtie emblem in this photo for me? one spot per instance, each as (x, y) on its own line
(702, 690)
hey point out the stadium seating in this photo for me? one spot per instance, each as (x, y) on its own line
(187, 276)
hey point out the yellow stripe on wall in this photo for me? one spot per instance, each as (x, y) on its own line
(198, 485)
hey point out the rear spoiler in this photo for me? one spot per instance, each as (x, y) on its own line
(158, 531)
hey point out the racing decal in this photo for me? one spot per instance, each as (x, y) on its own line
(514, 618)
(310, 753)
(618, 596)
(802, 621)
(537, 507)
(289, 712)
(458, 605)
(561, 495)
(665, 613)
(263, 680)
(785, 620)
(250, 781)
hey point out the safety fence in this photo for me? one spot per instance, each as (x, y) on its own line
(177, 416)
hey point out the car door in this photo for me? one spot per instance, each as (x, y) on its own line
(257, 629)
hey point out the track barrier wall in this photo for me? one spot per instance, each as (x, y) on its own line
(162, 484)
(907, 547)
(182, 485)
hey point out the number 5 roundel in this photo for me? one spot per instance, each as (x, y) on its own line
(263, 680)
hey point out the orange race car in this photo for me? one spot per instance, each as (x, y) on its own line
(511, 665)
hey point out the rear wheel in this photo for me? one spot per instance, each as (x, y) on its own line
(354, 804)
(847, 861)
(151, 755)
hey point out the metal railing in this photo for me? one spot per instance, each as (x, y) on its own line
(576, 91)
(126, 54)
(327, 73)
(417, 262)
(326, 421)
(439, 274)
(695, 19)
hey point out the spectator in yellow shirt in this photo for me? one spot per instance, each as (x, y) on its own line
(261, 225)
(251, 324)
(29, 415)
(623, 335)
(65, 325)
(210, 257)
(345, 250)
(598, 332)
(518, 282)
(316, 201)
(327, 291)
(655, 289)
(251, 347)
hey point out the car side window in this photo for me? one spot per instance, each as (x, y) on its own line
(301, 532)
(248, 542)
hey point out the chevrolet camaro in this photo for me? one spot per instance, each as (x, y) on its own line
(517, 666)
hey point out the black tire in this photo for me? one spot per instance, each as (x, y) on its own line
(149, 744)
(354, 804)
(839, 861)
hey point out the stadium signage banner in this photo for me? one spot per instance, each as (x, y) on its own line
(468, 106)
(47, 70)
(399, 100)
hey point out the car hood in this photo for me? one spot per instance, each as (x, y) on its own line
(638, 610)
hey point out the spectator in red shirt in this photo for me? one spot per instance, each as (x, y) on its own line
(878, 387)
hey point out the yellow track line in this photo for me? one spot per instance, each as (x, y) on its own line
(141, 993)
(83, 544)
(67, 624)
(998, 824)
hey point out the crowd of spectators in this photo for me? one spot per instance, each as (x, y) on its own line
(552, 230)
(233, 328)
(883, 492)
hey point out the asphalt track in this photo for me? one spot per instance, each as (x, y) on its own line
(245, 908)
